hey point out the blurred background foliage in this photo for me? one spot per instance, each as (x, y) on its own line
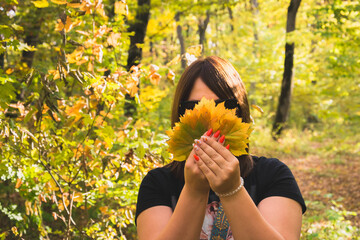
(73, 155)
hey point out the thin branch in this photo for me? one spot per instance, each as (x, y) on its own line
(69, 223)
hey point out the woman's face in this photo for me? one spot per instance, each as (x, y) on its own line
(200, 90)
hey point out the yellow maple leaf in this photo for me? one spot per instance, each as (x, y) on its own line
(205, 115)
(59, 2)
(121, 8)
(41, 4)
(78, 197)
(195, 50)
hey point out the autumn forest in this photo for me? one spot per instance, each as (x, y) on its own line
(86, 89)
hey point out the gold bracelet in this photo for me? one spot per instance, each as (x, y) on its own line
(232, 192)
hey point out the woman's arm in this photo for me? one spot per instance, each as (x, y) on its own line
(275, 218)
(185, 223)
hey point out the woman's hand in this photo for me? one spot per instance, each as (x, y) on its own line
(217, 163)
(195, 180)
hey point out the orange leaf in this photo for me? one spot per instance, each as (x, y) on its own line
(74, 110)
(74, 5)
(90, 67)
(86, 6)
(18, 183)
(9, 71)
(103, 209)
(59, 25)
(70, 24)
(113, 39)
(155, 78)
(102, 189)
(131, 86)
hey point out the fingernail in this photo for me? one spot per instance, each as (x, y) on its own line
(209, 132)
(196, 148)
(227, 147)
(204, 138)
(197, 141)
(217, 134)
(196, 157)
(222, 139)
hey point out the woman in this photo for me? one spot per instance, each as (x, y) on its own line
(211, 201)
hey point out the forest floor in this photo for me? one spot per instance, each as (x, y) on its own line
(325, 179)
(317, 177)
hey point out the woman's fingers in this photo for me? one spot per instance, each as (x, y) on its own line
(211, 153)
(209, 174)
(217, 146)
(218, 138)
(209, 161)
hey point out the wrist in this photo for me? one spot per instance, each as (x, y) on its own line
(232, 192)
(199, 194)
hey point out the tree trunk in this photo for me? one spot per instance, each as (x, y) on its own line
(138, 26)
(31, 39)
(181, 40)
(2, 55)
(231, 18)
(202, 29)
(110, 10)
(255, 11)
(286, 86)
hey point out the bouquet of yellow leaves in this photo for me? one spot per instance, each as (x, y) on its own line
(205, 115)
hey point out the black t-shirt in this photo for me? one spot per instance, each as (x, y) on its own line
(269, 177)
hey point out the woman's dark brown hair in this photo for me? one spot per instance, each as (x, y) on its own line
(222, 78)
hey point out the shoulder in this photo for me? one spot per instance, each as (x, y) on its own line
(268, 166)
(159, 177)
(276, 179)
(159, 172)
(264, 162)
(269, 170)
(155, 189)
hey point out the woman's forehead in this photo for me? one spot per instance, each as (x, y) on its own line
(200, 90)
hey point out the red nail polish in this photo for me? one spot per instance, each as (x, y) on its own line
(209, 132)
(217, 134)
(196, 157)
(221, 140)
(227, 147)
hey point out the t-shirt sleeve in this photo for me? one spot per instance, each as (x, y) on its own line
(152, 192)
(279, 181)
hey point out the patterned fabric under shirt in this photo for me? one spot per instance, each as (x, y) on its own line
(221, 225)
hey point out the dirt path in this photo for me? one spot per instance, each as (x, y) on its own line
(338, 176)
